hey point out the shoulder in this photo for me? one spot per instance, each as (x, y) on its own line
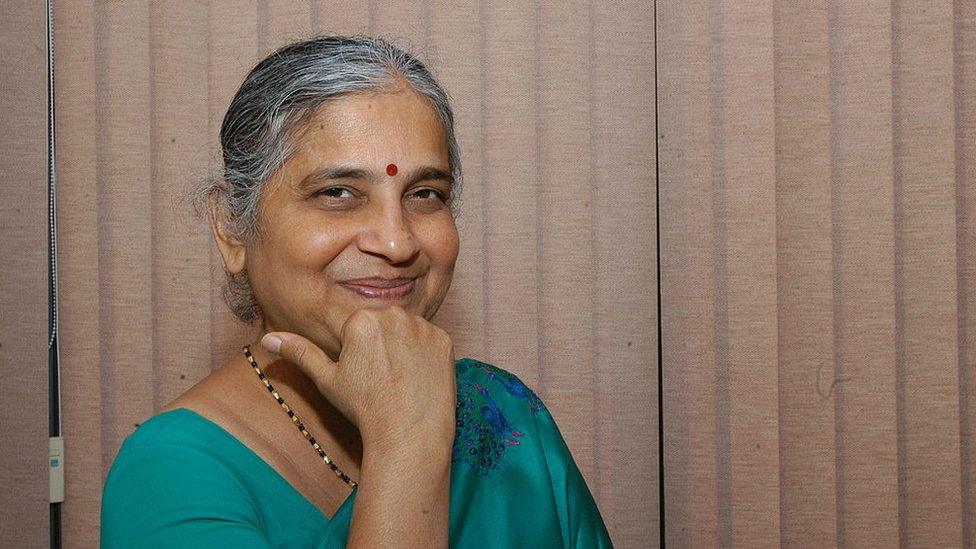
(173, 427)
(497, 414)
(490, 380)
(170, 478)
(170, 455)
(505, 432)
(175, 442)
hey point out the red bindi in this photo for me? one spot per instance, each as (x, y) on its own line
(391, 169)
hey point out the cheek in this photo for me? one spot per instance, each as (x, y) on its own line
(441, 243)
(315, 246)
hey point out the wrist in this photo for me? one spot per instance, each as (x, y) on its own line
(424, 436)
(403, 445)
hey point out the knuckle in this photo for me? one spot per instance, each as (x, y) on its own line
(359, 323)
(298, 351)
(393, 313)
(442, 338)
(439, 333)
(358, 316)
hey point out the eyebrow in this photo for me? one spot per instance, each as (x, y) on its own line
(331, 173)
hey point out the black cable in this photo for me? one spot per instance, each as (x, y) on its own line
(54, 383)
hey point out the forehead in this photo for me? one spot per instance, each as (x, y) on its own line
(397, 124)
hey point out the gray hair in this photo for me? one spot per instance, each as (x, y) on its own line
(280, 93)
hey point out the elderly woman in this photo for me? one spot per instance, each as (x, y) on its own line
(351, 424)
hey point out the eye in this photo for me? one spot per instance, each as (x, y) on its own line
(335, 192)
(429, 194)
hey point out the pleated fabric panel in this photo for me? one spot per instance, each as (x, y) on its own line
(23, 276)
(818, 261)
(555, 114)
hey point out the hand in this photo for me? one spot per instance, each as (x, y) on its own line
(394, 379)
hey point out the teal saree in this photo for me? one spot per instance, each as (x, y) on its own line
(181, 480)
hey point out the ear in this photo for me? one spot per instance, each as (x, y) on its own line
(232, 248)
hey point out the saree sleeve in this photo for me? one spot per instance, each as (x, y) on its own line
(176, 497)
(514, 482)
(580, 520)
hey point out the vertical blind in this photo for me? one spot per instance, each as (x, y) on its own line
(23, 275)
(818, 263)
(817, 180)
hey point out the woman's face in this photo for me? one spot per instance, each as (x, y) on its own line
(359, 216)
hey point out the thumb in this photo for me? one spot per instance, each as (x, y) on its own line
(298, 350)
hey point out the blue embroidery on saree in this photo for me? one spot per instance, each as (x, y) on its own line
(483, 432)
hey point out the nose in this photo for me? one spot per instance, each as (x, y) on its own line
(387, 233)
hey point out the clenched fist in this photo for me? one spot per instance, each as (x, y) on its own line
(394, 378)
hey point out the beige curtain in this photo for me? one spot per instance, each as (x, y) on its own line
(556, 282)
(817, 178)
(24, 490)
(818, 267)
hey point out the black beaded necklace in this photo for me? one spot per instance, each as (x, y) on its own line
(298, 422)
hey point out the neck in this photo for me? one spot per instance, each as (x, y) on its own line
(323, 420)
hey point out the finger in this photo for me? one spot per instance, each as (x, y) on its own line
(309, 358)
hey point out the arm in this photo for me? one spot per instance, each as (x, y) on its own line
(176, 497)
(394, 379)
(403, 498)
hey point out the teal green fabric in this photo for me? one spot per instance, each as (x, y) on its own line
(181, 480)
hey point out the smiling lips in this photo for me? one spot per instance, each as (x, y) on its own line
(380, 288)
